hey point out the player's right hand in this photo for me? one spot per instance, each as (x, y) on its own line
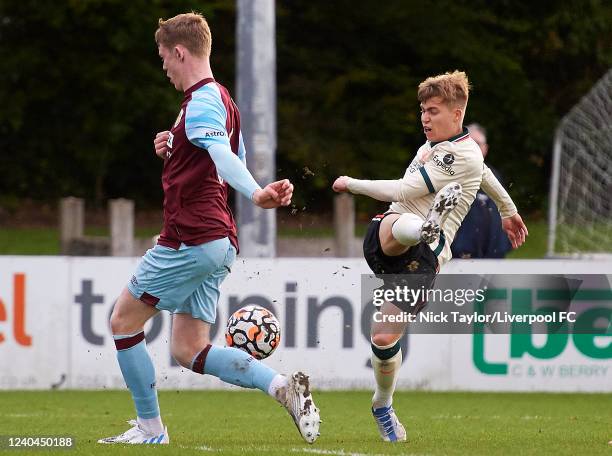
(160, 144)
(274, 195)
(341, 184)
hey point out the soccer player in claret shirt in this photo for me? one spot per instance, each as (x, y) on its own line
(428, 205)
(203, 153)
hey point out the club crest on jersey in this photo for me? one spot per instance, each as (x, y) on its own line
(443, 163)
(178, 119)
(169, 144)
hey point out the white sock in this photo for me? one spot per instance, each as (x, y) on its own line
(385, 372)
(279, 381)
(407, 229)
(152, 425)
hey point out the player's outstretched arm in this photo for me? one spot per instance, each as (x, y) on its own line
(274, 195)
(516, 230)
(492, 187)
(512, 222)
(404, 189)
(231, 169)
(381, 190)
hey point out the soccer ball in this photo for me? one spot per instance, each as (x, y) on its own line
(254, 330)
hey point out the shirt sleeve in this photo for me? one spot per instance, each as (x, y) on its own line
(205, 127)
(411, 186)
(492, 187)
(442, 166)
(232, 170)
(241, 149)
(205, 118)
(381, 190)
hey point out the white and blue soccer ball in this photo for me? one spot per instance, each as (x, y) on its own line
(253, 329)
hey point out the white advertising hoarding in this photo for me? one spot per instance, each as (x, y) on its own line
(34, 321)
(54, 330)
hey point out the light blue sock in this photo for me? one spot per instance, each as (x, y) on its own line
(234, 366)
(138, 373)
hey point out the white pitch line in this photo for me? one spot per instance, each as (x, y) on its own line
(332, 452)
(200, 448)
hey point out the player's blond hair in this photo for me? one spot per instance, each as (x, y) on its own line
(453, 88)
(189, 29)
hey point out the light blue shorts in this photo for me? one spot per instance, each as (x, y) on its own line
(186, 280)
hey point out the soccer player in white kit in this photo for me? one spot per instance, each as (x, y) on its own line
(427, 206)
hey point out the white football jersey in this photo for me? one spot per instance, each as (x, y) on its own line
(436, 164)
(458, 159)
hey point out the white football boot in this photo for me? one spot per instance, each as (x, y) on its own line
(445, 201)
(296, 398)
(391, 430)
(137, 435)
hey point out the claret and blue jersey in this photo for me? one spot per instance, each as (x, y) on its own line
(196, 208)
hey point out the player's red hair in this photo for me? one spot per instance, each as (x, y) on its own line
(453, 88)
(190, 30)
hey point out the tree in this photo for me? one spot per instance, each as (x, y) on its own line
(83, 91)
(84, 94)
(348, 72)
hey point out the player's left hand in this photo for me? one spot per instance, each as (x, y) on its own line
(273, 195)
(515, 229)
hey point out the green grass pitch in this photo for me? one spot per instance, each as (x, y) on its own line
(239, 423)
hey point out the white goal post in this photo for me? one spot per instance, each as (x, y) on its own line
(580, 209)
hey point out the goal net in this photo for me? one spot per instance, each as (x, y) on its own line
(580, 214)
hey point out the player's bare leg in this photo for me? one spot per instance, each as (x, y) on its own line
(130, 314)
(390, 246)
(188, 337)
